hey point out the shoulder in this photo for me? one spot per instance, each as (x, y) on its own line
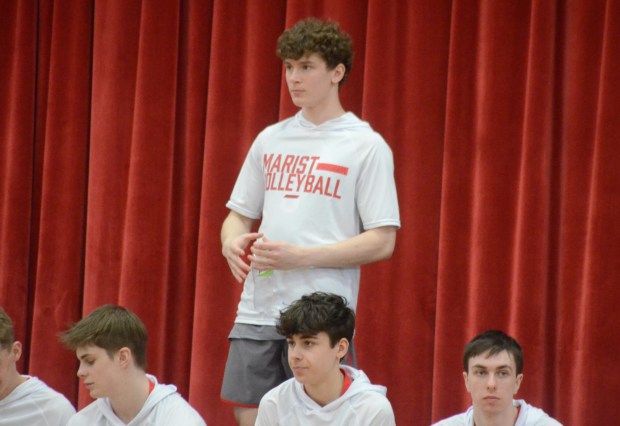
(282, 391)
(271, 404)
(533, 416)
(54, 395)
(375, 407)
(89, 415)
(38, 387)
(369, 401)
(356, 125)
(46, 398)
(282, 125)
(173, 409)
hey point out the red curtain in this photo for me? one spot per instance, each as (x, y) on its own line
(123, 126)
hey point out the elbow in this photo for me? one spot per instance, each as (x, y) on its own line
(388, 242)
(387, 252)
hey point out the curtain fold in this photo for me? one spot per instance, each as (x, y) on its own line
(18, 43)
(123, 126)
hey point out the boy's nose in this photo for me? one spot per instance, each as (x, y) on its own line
(491, 381)
(80, 373)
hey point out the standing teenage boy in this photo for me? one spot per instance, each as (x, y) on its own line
(493, 371)
(318, 329)
(322, 184)
(25, 400)
(110, 344)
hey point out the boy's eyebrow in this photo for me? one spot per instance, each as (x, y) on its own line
(499, 367)
(308, 336)
(303, 336)
(300, 60)
(504, 367)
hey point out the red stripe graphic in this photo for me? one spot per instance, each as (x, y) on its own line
(332, 168)
(291, 196)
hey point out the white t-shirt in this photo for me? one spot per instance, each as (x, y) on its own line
(528, 416)
(312, 185)
(33, 403)
(163, 407)
(363, 404)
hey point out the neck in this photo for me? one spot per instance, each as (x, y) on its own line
(320, 114)
(505, 418)
(130, 398)
(328, 390)
(15, 379)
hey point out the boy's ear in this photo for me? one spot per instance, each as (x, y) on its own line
(125, 357)
(342, 348)
(16, 350)
(338, 73)
(465, 377)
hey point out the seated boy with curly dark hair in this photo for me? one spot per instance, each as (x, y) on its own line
(318, 329)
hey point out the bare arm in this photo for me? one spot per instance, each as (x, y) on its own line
(370, 246)
(236, 236)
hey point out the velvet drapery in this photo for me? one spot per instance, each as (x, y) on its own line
(123, 126)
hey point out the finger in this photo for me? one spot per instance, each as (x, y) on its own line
(238, 274)
(239, 251)
(260, 263)
(260, 257)
(252, 236)
(240, 265)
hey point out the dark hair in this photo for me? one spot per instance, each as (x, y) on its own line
(110, 327)
(318, 312)
(494, 341)
(7, 335)
(316, 36)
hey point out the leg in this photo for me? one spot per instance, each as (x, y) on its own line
(253, 367)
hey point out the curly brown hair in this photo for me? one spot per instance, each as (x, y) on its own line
(325, 38)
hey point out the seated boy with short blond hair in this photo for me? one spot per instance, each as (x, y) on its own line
(25, 400)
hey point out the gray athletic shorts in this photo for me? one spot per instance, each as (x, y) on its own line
(256, 366)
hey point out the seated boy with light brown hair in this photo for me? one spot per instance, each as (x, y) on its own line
(110, 344)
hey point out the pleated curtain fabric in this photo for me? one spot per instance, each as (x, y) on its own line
(123, 126)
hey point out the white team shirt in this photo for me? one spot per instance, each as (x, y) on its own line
(163, 407)
(528, 416)
(363, 404)
(33, 403)
(312, 185)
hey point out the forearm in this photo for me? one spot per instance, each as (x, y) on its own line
(370, 246)
(235, 225)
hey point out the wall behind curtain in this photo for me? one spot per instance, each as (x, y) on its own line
(123, 126)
